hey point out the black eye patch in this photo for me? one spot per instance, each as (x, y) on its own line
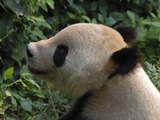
(60, 55)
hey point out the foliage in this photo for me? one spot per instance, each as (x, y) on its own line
(20, 96)
(27, 98)
(154, 73)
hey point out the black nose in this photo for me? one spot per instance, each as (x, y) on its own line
(29, 54)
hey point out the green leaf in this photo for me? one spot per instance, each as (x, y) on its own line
(50, 3)
(26, 105)
(3, 26)
(94, 21)
(36, 19)
(18, 97)
(15, 7)
(110, 21)
(24, 70)
(13, 101)
(1, 79)
(103, 11)
(47, 25)
(33, 38)
(70, 2)
(40, 95)
(16, 55)
(10, 118)
(118, 16)
(131, 15)
(8, 73)
(153, 15)
(86, 18)
(44, 7)
(94, 6)
(100, 18)
(43, 2)
(33, 83)
(155, 24)
(150, 50)
(8, 93)
(78, 8)
(71, 15)
(42, 37)
(37, 32)
(1, 95)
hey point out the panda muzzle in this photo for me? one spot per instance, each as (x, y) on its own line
(36, 71)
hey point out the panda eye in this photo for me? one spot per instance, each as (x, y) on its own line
(61, 50)
(60, 55)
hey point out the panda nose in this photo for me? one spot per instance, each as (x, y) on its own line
(29, 54)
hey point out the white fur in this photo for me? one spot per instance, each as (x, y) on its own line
(87, 66)
(90, 47)
(131, 97)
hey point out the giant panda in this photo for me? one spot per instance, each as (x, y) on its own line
(93, 64)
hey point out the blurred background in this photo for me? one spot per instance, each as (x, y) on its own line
(23, 97)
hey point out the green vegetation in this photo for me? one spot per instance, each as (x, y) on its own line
(21, 21)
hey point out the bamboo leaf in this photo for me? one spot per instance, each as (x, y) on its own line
(8, 73)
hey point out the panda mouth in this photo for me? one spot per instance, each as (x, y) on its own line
(36, 71)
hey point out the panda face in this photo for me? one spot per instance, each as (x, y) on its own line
(75, 59)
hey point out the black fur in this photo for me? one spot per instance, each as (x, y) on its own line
(75, 113)
(60, 55)
(127, 33)
(126, 60)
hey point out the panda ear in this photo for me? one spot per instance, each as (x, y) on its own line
(125, 61)
(128, 33)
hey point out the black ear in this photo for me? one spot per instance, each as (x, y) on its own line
(125, 60)
(128, 33)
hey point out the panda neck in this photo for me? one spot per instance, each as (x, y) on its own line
(134, 92)
(133, 87)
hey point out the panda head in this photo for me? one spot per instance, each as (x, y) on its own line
(80, 58)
